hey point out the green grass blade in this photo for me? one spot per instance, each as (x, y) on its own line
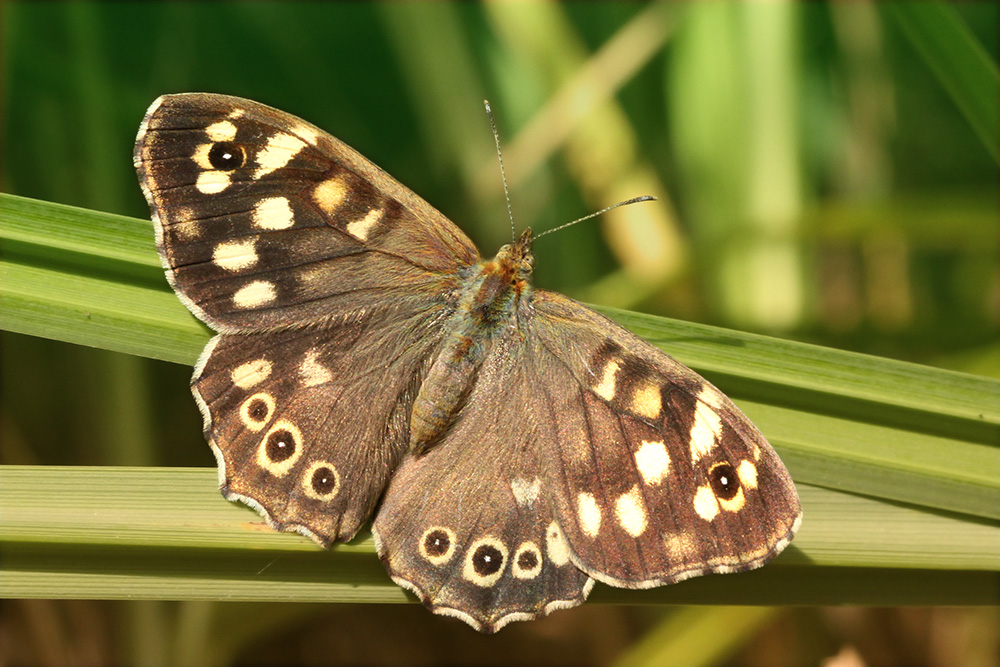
(960, 63)
(156, 532)
(848, 421)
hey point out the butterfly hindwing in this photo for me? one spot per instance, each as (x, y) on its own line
(309, 431)
(264, 220)
(468, 525)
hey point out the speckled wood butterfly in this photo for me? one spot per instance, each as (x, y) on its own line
(521, 445)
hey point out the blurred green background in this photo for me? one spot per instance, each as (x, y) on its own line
(824, 172)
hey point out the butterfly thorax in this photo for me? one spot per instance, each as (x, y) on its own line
(493, 302)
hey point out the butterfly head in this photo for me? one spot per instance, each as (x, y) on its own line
(516, 259)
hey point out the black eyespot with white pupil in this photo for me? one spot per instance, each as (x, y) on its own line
(258, 409)
(487, 560)
(324, 481)
(724, 480)
(281, 446)
(437, 543)
(527, 560)
(226, 156)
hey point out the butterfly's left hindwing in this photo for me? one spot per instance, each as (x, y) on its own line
(308, 424)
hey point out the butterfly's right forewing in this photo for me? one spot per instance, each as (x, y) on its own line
(264, 220)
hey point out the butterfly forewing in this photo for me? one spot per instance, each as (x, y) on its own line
(660, 477)
(524, 444)
(263, 220)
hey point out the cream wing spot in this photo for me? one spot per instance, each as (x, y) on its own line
(330, 194)
(251, 374)
(646, 401)
(437, 545)
(236, 113)
(306, 133)
(527, 561)
(321, 481)
(711, 397)
(273, 213)
(222, 130)
(212, 182)
(706, 427)
(748, 474)
(630, 509)
(555, 545)
(485, 561)
(256, 411)
(278, 152)
(525, 492)
(312, 372)
(652, 461)
(360, 229)
(606, 387)
(280, 448)
(588, 514)
(235, 256)
(706, 505)
(254, 294)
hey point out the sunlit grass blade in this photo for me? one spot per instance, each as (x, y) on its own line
(155, 532)
(848, 421)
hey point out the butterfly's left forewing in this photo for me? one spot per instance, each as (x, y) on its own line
(657, 475)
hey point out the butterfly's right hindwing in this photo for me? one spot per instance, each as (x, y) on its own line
(265, 221)
(306, 430)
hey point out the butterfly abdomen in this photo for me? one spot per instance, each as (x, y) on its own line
(488, 304)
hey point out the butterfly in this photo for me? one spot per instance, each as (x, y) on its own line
(513, 445)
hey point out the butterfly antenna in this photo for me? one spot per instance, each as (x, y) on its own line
(503, 174)
(597, 213)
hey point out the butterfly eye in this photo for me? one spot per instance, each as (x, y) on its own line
(226, 156)
(725, 482)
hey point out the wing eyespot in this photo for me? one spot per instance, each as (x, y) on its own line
(724, 480)
(437, 545)
(485, 562)
(257, 410)
(226, 156)
(321, 481)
